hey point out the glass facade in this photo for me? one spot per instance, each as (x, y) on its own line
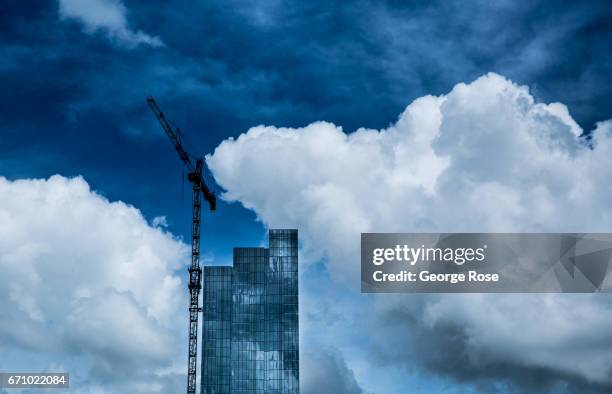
(250, 328)
(216, 329)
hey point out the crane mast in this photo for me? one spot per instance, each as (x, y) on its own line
(195, 271)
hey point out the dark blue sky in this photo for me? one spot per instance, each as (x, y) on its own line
(74, 101)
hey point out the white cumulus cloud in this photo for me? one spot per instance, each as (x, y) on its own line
(88, 282)
(108, 16)
(484, 157)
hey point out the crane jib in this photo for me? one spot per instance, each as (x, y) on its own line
(184, 156)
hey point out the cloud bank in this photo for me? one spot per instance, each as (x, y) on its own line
(484, 157)
(108, 16)
(89, 280)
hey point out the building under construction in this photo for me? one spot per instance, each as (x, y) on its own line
(250, 323)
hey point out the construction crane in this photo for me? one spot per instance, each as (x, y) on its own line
(195, 272)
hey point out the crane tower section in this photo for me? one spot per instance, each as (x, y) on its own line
(199, 188)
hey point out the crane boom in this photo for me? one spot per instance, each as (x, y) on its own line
(184, 156)
(195, 272)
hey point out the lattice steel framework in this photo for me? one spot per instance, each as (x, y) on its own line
(195, 272)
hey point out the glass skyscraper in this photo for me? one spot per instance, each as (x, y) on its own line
(250, 325)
